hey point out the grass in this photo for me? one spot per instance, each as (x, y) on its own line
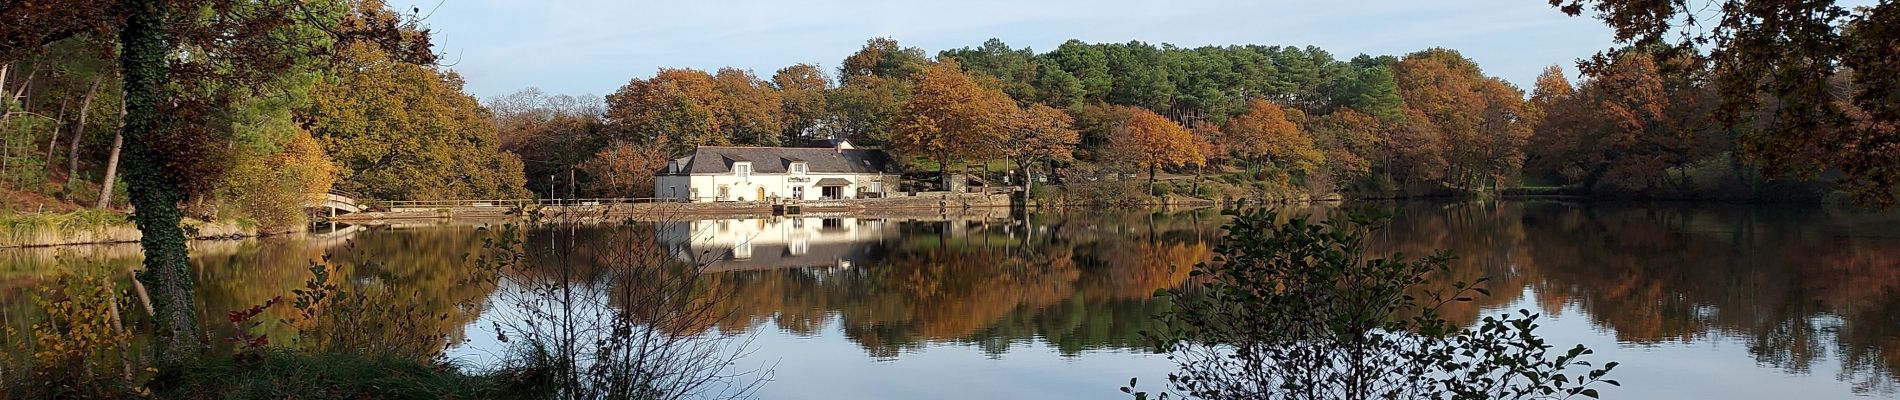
(285, 374)
(82, 226)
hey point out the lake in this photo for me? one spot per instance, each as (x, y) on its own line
(1694, 300)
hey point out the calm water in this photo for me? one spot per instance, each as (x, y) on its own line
(1695, 301)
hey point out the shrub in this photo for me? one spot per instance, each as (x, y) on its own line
(1296, 310)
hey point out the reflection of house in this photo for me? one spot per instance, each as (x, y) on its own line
(722, 173)
(769, 243)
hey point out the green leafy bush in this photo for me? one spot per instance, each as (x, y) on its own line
(1297, 310)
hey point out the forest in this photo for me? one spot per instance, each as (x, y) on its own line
(1265, 122)
(163, 113)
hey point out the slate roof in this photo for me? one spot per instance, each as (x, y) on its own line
(778, 160)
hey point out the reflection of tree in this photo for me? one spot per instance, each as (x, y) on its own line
(423, 268)
(1795, 286)
(1079, 282)
(423, 281)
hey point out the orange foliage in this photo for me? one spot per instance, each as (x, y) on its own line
(951, 116)
(1265, 134)
(1152, 141)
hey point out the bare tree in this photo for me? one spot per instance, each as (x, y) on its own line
(592, 311)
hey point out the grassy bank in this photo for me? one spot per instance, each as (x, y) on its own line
(284, 374)
(100, 227)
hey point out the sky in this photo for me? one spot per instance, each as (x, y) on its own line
(595, 46)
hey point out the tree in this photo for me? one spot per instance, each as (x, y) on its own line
(1152, 141)
(1774, 63)
(748, 108)
(552, 135)
(624, 169)
(881, 57)
(238, 44)
(679, 108)
(1014, 69)
(405, 131)
(1039, 133)
(1622, 131)
(866, 110)
(1349, 139)
(950, 116)
(1264, 134)
(1551, 88)
(1478, 117)
(802, 89)
(1214, 148)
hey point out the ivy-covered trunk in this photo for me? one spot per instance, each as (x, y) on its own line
(154, 191)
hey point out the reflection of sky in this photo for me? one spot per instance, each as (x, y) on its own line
(828, 365)
(1716, 362)
(1715, 367)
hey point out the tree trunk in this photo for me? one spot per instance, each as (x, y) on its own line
(1199, 172)
(79, 132)
(1152, 168)
(1027, 181)
(943, 169)
(112, 164)
(53, 144)
(144, 44)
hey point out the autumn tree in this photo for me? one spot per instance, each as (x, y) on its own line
(405, 131)
(552, 134)
(1414, 151)
(1622, 131)
(1551, 87)
(234, 44)
(1038, 133)
(624, 169)
(950, 116)
(1151, 141)
(1349, 140)
(802, 89)
(1215, 148)
(1776, 66)
(679, 108)
(748, 108)
(1477, 117)
(881, 57)
(1264, 135)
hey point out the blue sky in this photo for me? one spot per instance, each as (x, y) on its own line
(595, 46)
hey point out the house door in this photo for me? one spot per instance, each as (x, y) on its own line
(832, 192)
(798, 192)
(761, 194)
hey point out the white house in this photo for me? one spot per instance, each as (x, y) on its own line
(732, 173)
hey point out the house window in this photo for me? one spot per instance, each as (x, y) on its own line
(798, 192)
(798, 168)
(724, 191)
(744, 170)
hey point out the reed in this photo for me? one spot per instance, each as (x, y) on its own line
(78, 227)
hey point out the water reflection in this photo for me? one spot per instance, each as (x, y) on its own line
(1079, 282)
(1799, 292)
(1797, 288)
